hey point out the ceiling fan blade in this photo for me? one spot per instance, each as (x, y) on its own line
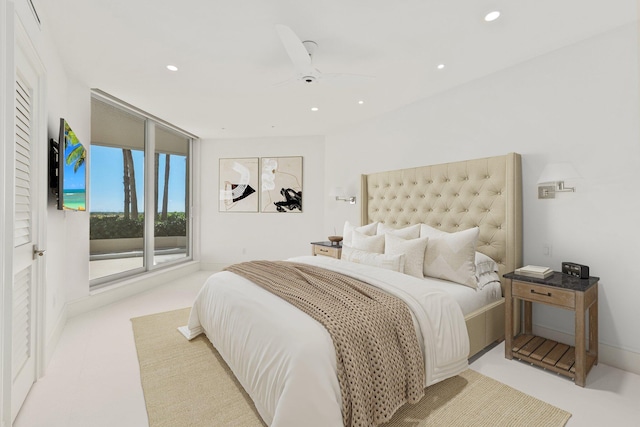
(294, 47)
(287, 82)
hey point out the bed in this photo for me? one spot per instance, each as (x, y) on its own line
(285, 360)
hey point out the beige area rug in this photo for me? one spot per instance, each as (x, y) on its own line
(187, 383)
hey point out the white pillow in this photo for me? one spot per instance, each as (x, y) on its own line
(486, 270)
(485, 264)
(487, 278)
(413, 250)
(409, 232)
(347, 232)
(388, 262)
(367, 243)
(451, 256)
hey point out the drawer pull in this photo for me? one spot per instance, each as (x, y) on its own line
(324, 250)
(546, 294)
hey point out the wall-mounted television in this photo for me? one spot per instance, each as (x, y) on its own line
(67, 172)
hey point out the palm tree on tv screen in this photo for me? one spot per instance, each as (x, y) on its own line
(77, 156)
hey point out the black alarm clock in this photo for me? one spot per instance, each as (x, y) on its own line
(577, 270)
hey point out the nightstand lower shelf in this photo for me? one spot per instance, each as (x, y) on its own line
(549, 354)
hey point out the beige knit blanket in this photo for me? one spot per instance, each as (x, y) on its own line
(379, 362)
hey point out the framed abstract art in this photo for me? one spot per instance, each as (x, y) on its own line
(238, 185)
(281, 184)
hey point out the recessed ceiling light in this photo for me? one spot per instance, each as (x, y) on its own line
(172, 68)
(440, 66)
(314, 108)
(360, 102)
(492, 16)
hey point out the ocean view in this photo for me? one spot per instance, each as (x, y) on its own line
(74, 199)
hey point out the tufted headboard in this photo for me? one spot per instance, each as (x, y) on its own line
(455, 196)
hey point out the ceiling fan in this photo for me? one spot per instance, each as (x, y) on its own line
(301, 54)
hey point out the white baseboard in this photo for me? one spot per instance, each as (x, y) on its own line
(613, 356)
(129, 287)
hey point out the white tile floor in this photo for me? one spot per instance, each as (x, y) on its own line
(93, 379)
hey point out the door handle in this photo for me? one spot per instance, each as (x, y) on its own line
(38, 252)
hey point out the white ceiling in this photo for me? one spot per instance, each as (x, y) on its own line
(230, 58)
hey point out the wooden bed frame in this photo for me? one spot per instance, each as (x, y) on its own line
(486, 193)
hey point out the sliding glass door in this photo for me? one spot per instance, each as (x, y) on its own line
(137, 165)
(171, 196)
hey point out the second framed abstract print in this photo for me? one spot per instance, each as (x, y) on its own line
(281, 184)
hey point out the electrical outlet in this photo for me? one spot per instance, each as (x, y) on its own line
(547, 250)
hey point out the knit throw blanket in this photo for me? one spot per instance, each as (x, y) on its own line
(379, 362)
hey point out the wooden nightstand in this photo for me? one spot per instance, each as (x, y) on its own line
(326, 249)
(559, 290)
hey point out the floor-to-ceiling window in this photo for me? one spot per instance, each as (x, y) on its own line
(126, 145)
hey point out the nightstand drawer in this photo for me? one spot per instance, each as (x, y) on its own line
(544, 294)
(327, 251)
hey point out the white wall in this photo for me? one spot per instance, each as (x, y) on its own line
(577, 104)
(67, 232)
(234, 237)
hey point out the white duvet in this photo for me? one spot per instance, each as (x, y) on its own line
(286, 361)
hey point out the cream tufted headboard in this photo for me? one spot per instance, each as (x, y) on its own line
(455, 196)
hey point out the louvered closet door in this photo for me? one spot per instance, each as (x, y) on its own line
(24, 237)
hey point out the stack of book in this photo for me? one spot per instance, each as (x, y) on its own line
(534, 271)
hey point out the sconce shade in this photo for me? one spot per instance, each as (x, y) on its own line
(556, 172)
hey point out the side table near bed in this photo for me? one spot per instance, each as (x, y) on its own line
(333, 250)
(559, 290)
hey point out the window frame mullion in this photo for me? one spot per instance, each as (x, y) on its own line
(149, 202)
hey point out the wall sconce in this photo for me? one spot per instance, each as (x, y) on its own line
(340, 194)
(552, 179)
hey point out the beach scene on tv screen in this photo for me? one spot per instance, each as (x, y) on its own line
(74, 186)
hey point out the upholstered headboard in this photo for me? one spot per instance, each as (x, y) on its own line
(486, 193)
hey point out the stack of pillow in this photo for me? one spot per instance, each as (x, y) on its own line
(420, 251)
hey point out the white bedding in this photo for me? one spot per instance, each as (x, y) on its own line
(469, 299)
(285, 360)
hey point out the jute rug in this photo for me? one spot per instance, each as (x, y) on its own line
(187, 383)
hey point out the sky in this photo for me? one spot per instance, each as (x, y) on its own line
(107, 187)
(73, 180)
